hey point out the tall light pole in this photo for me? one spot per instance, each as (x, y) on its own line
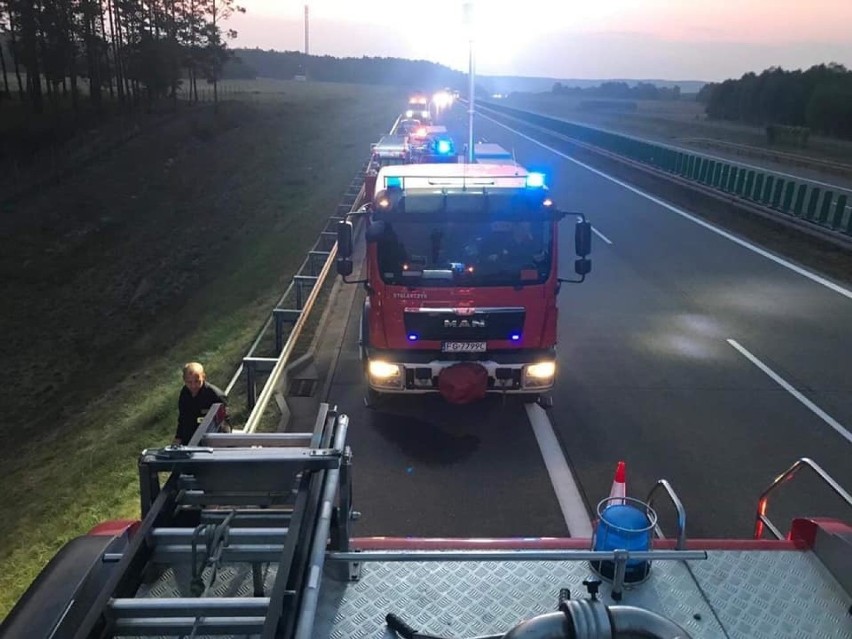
(468, 19)
(307, 40)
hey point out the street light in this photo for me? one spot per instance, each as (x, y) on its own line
(468, 20)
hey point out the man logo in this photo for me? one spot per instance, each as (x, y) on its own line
(464, 323)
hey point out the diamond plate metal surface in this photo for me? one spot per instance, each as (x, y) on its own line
(753, 594)
(775, 595)
(470, 599)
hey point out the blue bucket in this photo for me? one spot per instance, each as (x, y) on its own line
(624, 524)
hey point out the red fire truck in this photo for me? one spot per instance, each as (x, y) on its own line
(461, 275)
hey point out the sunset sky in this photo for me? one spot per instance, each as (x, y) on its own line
(667, 39)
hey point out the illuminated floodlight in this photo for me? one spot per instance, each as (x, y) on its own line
(444, 147)
(535, 180)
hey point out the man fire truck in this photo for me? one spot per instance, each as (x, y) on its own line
(418, 107)
(461, 275)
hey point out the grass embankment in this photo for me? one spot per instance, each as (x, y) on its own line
(171, 249)
(680, 121)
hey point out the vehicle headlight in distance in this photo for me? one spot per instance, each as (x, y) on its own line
(539, 375)
(385, 374)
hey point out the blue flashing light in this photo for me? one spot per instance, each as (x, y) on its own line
(444, 147)
(535, 180)
(516, 337)
(412, 337)
(393, 181)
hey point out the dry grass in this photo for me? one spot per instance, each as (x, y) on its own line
(681, 121)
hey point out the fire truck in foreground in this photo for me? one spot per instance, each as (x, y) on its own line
(249, 535)
(462, 281)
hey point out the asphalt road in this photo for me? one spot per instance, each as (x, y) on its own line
(674, 356)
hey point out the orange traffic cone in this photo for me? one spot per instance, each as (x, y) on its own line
(619, 484)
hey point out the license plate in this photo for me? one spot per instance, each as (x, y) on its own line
(463, 347)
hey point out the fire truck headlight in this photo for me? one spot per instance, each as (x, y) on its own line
(385, 374)
(409, 113)
(539, 375)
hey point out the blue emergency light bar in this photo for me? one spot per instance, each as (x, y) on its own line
(444, 147)
(535, 180)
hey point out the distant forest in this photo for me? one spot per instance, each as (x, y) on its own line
(819, 98)
(127, 51)
(251, 63)
(620, 91)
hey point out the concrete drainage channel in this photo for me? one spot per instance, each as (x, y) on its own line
(266, 373)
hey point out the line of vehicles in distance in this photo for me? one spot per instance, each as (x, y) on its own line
(461, 266)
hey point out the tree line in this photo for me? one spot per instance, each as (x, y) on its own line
(620, 91)
(127, 50)
(250, 63)
(819, 98)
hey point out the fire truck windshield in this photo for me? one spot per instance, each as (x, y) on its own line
(469, 253)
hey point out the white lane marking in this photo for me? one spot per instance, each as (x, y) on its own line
(733, 238)
(828, 419)
(601, 235)
(567, 493)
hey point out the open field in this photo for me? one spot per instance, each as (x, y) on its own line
(172, 248)
(681, 122)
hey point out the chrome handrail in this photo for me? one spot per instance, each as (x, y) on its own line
(762, 520)
(681, 511)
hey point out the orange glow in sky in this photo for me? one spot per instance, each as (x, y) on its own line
(672, 39)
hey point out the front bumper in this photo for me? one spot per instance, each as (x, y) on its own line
(418, 371)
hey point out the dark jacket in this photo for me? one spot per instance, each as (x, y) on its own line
(191, 410)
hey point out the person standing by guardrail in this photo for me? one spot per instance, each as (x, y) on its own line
(196, 398)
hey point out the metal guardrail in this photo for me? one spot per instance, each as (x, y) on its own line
(761, 519)
(795, 198)
(310, 277)
(302, 292)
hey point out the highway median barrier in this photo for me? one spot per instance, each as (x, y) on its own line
(812, 205)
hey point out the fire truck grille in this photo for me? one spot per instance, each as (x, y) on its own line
(449, 325)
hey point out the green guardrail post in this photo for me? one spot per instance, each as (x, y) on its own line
(776, 196)
(758, 188)
(812, 202)
(724, 177)
(825, 209)
(708, 174)
(767, 189)
(692, 170)
(717, 175)
(732, 179)
(749, 184)
(839, 210)
(703, 165)
(788, 196)
(741, 180)
(799, 207)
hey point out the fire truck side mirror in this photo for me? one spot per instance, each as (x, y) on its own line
(583, 238)
(344, 239)
(375, 231)
(344, 266)
(583, 266)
